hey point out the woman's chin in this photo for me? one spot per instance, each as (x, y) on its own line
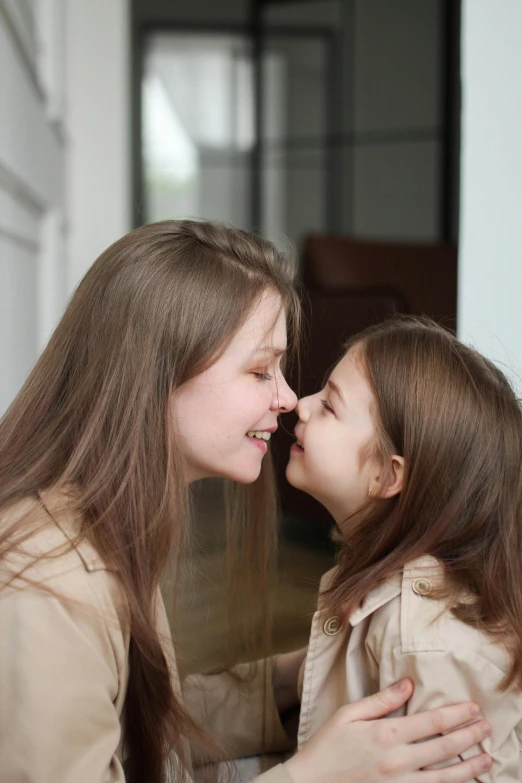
(245, 475)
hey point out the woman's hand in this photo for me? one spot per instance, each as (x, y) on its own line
(353, 746)
(284, 679)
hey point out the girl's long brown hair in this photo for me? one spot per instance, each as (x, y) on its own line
(158, 307)
(455, 419)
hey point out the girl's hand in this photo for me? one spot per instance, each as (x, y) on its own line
(284, 679)
(353, 746)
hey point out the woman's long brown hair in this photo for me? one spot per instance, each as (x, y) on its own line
(455, 419)
(158, 307)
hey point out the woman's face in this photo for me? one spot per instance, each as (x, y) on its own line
(225, 415)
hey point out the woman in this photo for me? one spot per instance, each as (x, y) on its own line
(165, 369)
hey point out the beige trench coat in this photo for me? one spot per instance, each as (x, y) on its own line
(64, 668)
(401, 632)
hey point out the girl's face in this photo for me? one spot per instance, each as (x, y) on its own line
(226, 415)
(335, 427)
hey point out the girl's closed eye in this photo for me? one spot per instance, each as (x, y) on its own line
(263, 376)
(326, 405)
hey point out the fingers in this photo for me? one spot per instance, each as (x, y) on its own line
(456, 773)
(428, 724)
(448, 747)
(380, 704)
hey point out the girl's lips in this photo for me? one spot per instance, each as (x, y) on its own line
(296, 449)
(261, 444)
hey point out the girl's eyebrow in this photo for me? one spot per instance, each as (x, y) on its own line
(336, 390)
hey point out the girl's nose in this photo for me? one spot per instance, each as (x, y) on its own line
(303, 408)
(285, 399)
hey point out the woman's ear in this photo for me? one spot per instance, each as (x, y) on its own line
(392, 485)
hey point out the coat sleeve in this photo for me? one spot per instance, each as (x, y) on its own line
(238, 708)
(455, 672)
(58, 683)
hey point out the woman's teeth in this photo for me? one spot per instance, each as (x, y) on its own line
(259, 434)
(299, 443)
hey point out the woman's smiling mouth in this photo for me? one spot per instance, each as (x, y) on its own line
(259, 438)
(261, 434)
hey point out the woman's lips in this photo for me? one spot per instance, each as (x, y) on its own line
(261, 444)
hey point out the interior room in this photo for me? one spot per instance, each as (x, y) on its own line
(379, 139)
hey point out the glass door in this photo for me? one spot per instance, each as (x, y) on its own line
(197, 127)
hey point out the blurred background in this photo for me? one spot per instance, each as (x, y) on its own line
(381, 136)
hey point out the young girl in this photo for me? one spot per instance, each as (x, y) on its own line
(165, 369)
(415, 447)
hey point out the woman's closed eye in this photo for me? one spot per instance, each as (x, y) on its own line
(326, 405)
(263, 376)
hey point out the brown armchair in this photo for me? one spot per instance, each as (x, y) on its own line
(425, 275)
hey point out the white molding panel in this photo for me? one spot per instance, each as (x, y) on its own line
(32, 186)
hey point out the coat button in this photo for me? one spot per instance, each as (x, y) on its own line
(421, 586)
(332, 626)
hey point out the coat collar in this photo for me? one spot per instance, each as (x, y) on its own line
(383, 594)
(376, 598)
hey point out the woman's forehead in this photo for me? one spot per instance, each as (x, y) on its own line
(264, 329)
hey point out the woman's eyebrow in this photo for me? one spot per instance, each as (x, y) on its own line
(336, 390)
(272, 349)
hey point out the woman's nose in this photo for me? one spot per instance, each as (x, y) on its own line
(285, 399)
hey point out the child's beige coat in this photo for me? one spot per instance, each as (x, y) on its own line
(401, 632)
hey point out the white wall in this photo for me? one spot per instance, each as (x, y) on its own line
(32, 199)
(99, 128)
(490, 273)
(64, 161)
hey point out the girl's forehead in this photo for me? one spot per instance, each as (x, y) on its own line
(349, 372)
(351, 361)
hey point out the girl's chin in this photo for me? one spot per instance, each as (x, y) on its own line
(294, 479)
